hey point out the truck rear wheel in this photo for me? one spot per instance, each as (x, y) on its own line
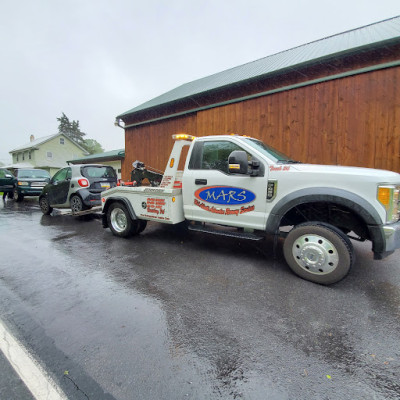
(120, 222)
(318, 252)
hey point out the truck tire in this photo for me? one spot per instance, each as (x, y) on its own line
(318, 252)
(120, 222)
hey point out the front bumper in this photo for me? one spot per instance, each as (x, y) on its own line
(392, 236)
(7, 188)
(28, 191)
(389, 240)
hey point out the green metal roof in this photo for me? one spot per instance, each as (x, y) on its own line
(349, 42)
(106, 156)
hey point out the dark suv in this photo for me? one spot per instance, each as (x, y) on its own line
(7, 182)
(78, 187)
(30, 182)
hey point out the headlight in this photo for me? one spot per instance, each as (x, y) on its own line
(22, 183)
(388, 196)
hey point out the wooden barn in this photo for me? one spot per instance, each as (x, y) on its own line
(332, 101)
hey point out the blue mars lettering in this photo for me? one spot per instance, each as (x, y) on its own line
(231, 195)
(241, 196)
(227, 195)
(210, 195)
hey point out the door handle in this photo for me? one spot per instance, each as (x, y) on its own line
(200, 182)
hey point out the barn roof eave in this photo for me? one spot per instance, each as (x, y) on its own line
(269, 92)
(290, 60)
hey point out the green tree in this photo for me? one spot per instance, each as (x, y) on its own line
(92, 146)
(71, 129)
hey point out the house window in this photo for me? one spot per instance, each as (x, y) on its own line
(49, 155)
(61, 140)
(23, 156)
(17, 157)
(30, 155)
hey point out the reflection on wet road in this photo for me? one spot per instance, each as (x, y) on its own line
(172, 314)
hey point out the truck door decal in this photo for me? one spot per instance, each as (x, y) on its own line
(225, 195)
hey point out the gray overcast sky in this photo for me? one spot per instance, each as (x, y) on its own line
(95, 59)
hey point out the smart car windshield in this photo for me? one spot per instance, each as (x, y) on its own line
(269, 151)
(98, 172)
(33, 173)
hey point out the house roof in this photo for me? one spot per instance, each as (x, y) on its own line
(18, 165)
(350, 42)
(37, 142)
(106, 156)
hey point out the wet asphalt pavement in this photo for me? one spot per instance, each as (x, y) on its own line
(178, 315)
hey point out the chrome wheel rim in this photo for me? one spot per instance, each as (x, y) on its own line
(118, 220)
(315, 254)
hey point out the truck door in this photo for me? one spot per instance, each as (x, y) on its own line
(212, 194)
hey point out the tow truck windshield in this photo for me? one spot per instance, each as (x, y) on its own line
(270, 152)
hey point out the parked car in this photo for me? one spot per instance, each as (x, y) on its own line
(77, 187)
(29, 182)
(7, 182)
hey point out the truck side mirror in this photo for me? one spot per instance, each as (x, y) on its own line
(238, 163)
(254, 166)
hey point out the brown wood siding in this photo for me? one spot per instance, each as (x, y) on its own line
(349, 121)
(152, 143)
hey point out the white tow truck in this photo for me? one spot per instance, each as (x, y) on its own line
(238, 186)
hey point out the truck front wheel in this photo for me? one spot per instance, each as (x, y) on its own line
(318, 252)
(120, 222)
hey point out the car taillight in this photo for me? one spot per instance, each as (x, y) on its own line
(83, 182)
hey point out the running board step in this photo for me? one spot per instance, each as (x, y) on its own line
(238, 235)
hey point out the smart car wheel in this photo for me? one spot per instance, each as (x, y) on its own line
(76, 204)
(45, 206)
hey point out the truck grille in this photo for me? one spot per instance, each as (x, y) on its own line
(38, 184)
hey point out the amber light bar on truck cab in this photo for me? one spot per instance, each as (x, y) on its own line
(388, 196)
(183, 136)
(238, 134)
